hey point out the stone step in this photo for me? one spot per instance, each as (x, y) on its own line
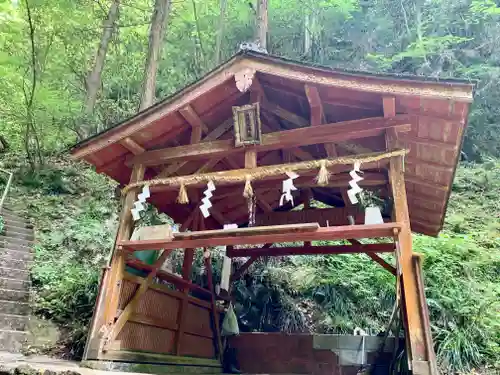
(18, 230)
(16, 254)
(22, 265)
(14, 217)
(18, 223)
(14, 307)
(12, 341)
(17, 247)
(14, 274)
(10, 232)
(12, 322)
(14, 295)
(14, 240)
(15, 284)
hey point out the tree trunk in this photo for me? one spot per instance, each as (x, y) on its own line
(156, 33)
(220, 32)
(261, 23)
(93, 81)
(307, 35)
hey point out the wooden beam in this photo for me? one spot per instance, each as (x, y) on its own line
(318, 115)
(213, 135)
(243, 268)
(178, 281)
(117, 264)
(132, 146)
(389, 106)
(215, 317)
(257, 93)
(376, 258)
(250, 157)
(416, 329)
(220, 239)
(285, 114)
(187, 266)
(311, 250)
(192, 118)
(340, 131)
(381, 86)
(208, 234)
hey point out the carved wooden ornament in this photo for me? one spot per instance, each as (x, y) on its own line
(244, 79)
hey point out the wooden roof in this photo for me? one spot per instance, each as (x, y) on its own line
(436, 109)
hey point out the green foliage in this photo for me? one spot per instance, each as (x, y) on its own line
(73, 210)
(2, 225)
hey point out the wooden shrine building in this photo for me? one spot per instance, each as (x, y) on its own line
(246, 127)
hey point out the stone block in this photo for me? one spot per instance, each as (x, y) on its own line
(13, 322)
(26, 256)
(13, 273)
(14, 307)
(15, 284)
(14, 295)
(15, 263)
(12, 341)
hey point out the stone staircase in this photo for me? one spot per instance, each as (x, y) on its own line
(15, 259)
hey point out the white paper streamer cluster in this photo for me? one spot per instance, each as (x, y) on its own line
(355, 189)
(206, 200)
(288, 187)
(138, 204)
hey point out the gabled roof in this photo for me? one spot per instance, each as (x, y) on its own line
(439, 107)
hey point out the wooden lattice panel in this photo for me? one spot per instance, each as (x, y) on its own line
(197, 346)
(198, 320)
(135, 336)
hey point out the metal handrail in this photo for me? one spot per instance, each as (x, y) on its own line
(6, 189)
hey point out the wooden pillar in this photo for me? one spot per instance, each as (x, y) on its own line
(412, 308)
(187, 265)
(215, 316)
(117, 266)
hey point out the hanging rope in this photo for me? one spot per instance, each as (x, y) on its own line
(247, 175)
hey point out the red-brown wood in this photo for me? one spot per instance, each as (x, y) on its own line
(284, 139)
(311, 250)
(322, 234)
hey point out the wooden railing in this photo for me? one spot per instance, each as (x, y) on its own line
(7, 187)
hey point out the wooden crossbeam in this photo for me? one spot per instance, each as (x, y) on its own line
(131, 306)
(213, 135)
(132, 146)
(171, 278)
(311, 250)
(243, 268)
(375, 257)
(257, 93)
(219, 238)
(192, 118)
(340, 131)
(318, 115)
